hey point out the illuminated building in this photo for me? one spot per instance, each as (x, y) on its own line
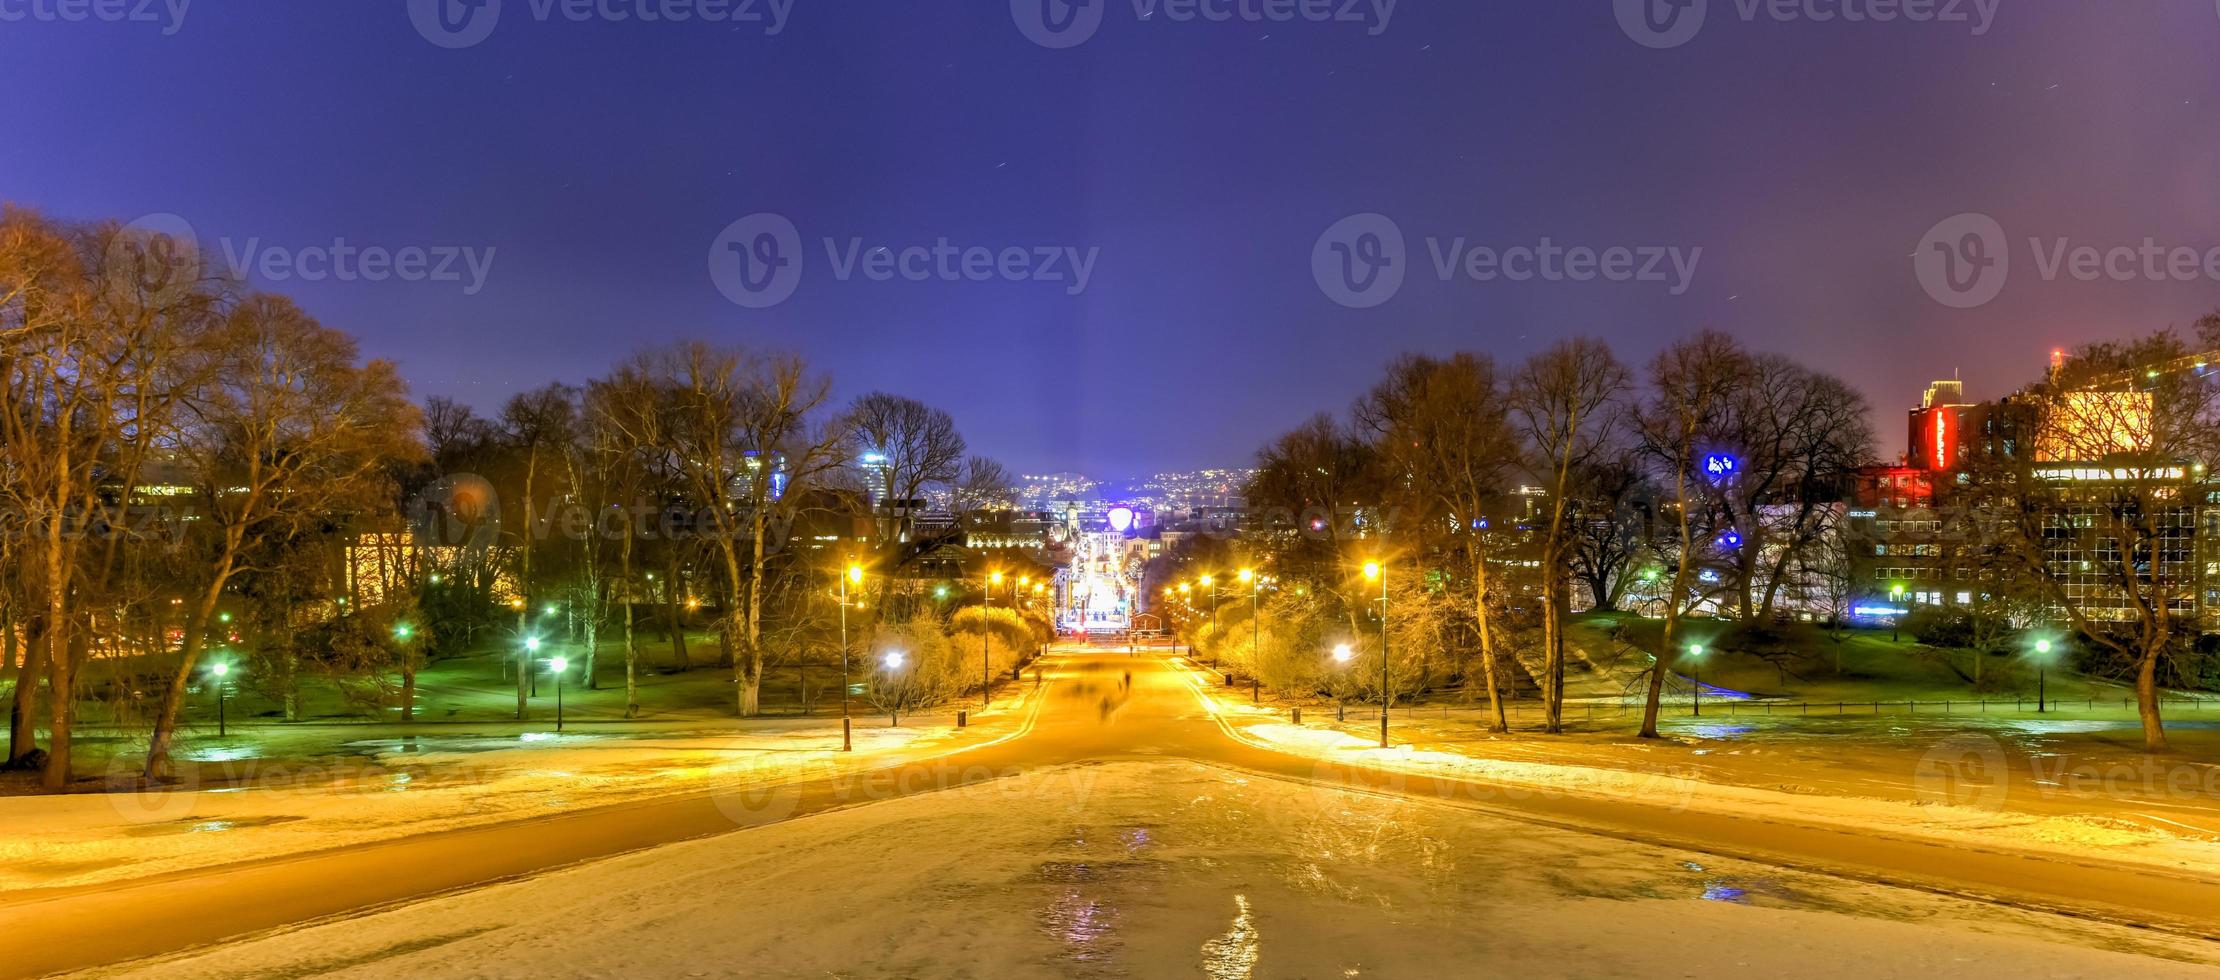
(1098, 592)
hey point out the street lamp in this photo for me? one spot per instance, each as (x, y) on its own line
(847, 734)
(1210, 583)
(559, 665)
(1256, 637)
(1376, 570)
(2042, 678)
(220, 670)
(1696, 674)
(986, 672)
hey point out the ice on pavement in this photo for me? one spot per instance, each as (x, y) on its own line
(1172, 869)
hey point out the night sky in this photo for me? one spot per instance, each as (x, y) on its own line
(1203, 160)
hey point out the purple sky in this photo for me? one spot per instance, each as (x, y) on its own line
(1199, 162)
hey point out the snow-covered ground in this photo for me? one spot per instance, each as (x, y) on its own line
(2004, 783)
(304, 792)
(1176, 869)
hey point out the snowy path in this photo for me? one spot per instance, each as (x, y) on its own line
(1102, 713)
(1178, 869)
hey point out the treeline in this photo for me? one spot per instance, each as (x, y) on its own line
(1710, 480)
(187, 464)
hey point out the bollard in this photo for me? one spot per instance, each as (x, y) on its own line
(963, 718)
(1298, 715)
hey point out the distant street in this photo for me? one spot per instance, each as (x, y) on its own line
(1359, 848)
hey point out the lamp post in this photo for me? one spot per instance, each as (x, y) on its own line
(986, 672)
(847, 727)
(1256, 637)
(1211, 583)
(893, 662)
(220, 670)
(1696, 674)
(1377, 570)
(2042, 676)
(558, 665)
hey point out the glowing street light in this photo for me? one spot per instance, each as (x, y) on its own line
(986, 670)
(221, 670)
(847, 728)
(1375, 570)
(559, 665)
(1696, 675)
(894, 661)
(1256, 635)
(2042, 676)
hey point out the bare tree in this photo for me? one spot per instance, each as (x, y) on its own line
(1444, 437)
(1796, 436)
(2103, 510)
(792, 451)
(982, 484)
(284, 428)
(1613, 526)
(1690, 384)
(627, 435)
(1566, 401)
(910, 448)
(540, 425)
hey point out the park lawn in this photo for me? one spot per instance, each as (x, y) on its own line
(1801, 664)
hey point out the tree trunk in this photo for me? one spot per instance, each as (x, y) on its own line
(61, 705)
(631, 644)
(1671, 640)
(1487, 639)
(524, 589)
(751, 647)
(173, 699)
(23, 707)
(677, 625)
(2146, 699)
